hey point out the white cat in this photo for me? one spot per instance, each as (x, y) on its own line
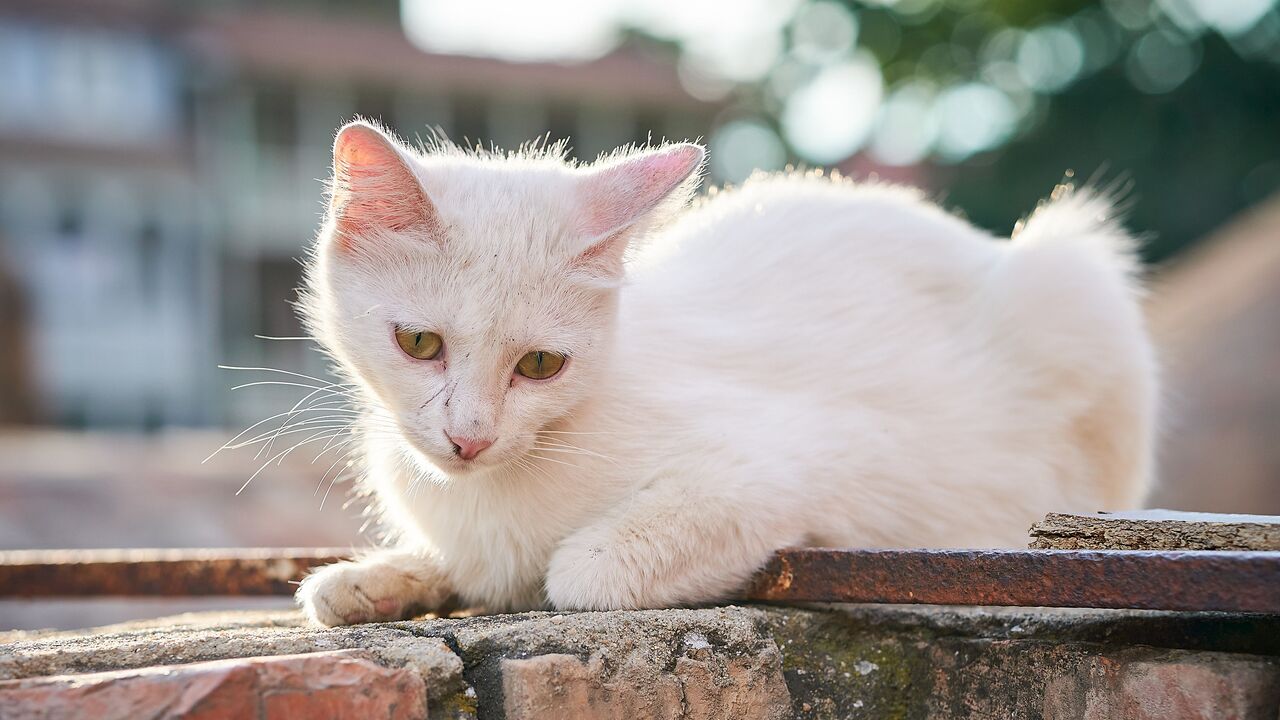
(799, 361)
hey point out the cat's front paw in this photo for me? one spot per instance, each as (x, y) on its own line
(585, 576)
(346, 593)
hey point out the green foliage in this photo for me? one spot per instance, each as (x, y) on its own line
(1194, 157)
(1185, 107)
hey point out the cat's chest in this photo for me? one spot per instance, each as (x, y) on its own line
(494, 536)
(495, 543)
(491, 563)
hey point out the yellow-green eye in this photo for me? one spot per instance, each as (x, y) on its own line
(421, 345)
(540, 364)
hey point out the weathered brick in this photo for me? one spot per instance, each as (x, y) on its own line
(539, 686)
(1205, 687)
(745, 687)
(314, 686)
(706, 687)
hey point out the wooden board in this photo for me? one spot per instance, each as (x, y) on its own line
(1156, 530)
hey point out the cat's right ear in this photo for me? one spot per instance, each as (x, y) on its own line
(374, 188)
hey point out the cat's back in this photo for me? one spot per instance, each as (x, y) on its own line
(806, 261)
(866, 314)
(813, 240)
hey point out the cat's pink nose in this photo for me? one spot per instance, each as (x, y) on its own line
(467, 448)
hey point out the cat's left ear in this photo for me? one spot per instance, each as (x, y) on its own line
(637, 190)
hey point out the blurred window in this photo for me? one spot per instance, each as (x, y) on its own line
(93, 85)
(648, 127)
(562, 122)
(377, 104)
(278, 278)
(275, 112)
(470, 121)
(151, 257)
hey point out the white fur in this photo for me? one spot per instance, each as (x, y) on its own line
(799, 361)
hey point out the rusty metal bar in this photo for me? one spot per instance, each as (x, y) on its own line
(164, 573)
(1161, 580)
(1154, 580)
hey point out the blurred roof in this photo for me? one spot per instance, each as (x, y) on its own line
(329, 48)
(1215, 316)
(1233, 270)
(274, 39)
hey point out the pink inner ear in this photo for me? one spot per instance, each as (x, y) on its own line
(373, 188)
(618, 196)
(604, 258)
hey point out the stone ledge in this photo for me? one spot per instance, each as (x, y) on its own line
(746, 662)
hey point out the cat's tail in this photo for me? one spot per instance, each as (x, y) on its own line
(1082, 223)
(1071, 284)
(1068, 293)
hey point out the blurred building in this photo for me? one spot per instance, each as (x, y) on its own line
(160, 165)
(17, 404)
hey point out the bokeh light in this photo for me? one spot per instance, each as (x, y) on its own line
(1050, 57)
(513, 31)
(1230, 17)
(1160, 62)
(907, 127)
(740, 147)
(823, 31)
(829, 118)
(972, 117)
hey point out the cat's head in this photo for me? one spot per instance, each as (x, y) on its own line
(473, 295)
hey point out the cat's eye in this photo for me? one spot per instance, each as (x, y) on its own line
(419, 344)
(540, 364)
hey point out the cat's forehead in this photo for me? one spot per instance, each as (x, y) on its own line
(491, 203)
(510, 289)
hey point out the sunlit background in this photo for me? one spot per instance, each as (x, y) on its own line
(160, 166)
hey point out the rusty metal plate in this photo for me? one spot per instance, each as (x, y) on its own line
(1156, 580)
(171, 573)
(1160, 580)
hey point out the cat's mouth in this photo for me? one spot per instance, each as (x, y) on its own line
(448, 460)
(458, 465)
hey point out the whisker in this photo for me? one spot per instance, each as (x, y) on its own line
(336, 414)
(550, 443)
(337, 459)
(572, 451)
(355, 436)
(305, 421)
(528, 466)
(326, 448)
(244, 432)
(335, 479)
(332, 389)
(320, 435)
(278, 456)
(334, 409)
(293, 430)
(561, 442)
(293, 410)
(558, 462)
(282, 372)
(575, 432)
